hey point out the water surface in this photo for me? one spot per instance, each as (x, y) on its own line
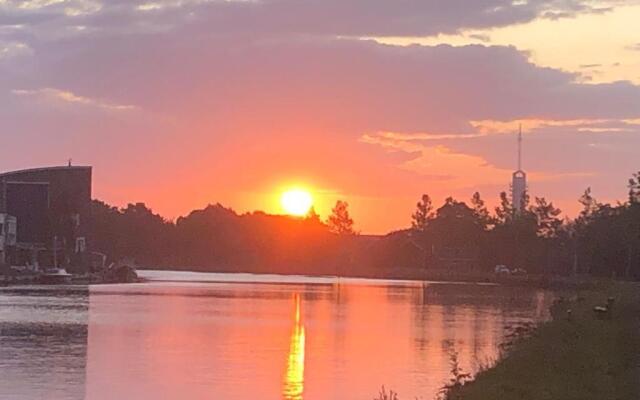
(241, 336)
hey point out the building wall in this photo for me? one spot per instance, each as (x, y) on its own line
(8, 230)
(48, 203)
(29, 202)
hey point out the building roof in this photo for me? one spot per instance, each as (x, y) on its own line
(42, 169)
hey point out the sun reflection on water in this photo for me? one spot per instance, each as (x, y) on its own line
(294, 376)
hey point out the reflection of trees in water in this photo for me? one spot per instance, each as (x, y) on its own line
(468, 319)
(293, 387)
(470, 294)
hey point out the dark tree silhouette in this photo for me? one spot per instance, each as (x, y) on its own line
(634, 188)
(133, 232)
(547, 217)
(504, 212)
(603, 240)
(423, 214)
(589, 204)
(340, 222)
(313, 216)
(480, 211)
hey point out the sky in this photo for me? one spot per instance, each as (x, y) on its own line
(182, 103)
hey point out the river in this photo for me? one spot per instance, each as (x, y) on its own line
(189, 335)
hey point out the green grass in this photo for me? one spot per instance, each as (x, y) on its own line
(578, 358)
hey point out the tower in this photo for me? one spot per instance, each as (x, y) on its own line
(519, 179)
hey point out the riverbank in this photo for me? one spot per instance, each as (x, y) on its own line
(116, 274)
(581, 354)
(554, 282)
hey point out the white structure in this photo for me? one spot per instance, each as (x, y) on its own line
(8, 230)
(519, 179)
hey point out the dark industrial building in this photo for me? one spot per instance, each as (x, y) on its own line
(51, 209)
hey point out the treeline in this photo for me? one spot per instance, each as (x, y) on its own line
(603, 240)
(217, 238)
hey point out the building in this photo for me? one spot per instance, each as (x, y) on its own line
(50, 209)
(518, 180)
(7, 235)
(518, 189)
(461, 258)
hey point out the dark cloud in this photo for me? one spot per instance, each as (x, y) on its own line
(304, 17)
(480, 37)
(351, 85)
(232, 89)
(590, 66)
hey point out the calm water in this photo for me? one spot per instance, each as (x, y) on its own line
(236, 336)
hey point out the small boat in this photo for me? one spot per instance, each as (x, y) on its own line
(55, 276)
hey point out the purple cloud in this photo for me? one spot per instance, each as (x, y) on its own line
(304, 17)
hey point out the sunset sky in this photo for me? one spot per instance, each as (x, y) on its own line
(181, 103)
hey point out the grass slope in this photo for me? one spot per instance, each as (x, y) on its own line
(580, 357)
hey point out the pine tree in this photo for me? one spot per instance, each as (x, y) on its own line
(547, 217)
(424, 213)
(589, 204)
(480, 210)
(634, 188)
(504, 212)
(313, 216)
(340, 222)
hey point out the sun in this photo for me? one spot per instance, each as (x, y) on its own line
(296, 202)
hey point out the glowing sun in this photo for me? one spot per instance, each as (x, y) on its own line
(296, 202)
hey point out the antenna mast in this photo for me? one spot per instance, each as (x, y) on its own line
(520, 148)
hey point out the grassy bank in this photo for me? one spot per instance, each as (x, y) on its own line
(579, 355)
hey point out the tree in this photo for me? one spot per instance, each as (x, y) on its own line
(504, 212)
(424, 213)
(632, 226)
(339, 221)
(589, 204)
(480, 210)
(313, 216)
(524, 202)
(132, 232)
(455, 224)
(514, 240)
(634, 188)
(547, 217)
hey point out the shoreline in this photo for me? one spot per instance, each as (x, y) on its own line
(553, 282)
(119, 274)
(560, 283)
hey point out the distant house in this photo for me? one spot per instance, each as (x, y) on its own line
(455, 258)
(396, 250)
(50, 208)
